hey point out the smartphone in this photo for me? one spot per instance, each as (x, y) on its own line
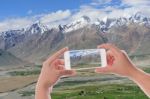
(85, 59)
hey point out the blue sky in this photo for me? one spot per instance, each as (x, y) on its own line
(16, 14)
(20, 8)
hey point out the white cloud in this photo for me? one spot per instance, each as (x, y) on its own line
(142, 6)
(126, 8)
(55, 16)
(50, 19)
(99, 2)
(136, 2)
(94, 13)
(89, 11)
(14, 24)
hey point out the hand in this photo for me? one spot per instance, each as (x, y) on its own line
(53, 69)
(117, 62)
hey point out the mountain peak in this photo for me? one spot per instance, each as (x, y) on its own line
(86, 18)
(138, 14)
(76, 24)
(37, 28)
(105, 19)
(104, 23)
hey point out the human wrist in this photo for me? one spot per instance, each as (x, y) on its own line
(134, 73)
(41, 83)
(42, 86)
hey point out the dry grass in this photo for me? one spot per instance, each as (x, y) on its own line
(17, 82)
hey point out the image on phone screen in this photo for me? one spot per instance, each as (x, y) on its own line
(85, 59)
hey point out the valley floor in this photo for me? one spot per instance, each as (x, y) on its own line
(20, 84)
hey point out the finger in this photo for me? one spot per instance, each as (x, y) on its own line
(67, 72)
(106, 69)
(58, 62)
(56, 55)
(110, 58)
(61, 67)
(110, 53)
(111, 47)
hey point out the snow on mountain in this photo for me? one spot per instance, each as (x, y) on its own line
(83, 21)
(12, 33)
(121, 21)
(22, 42)
(104, 24)
(140, 18)
(33, 29)
(13, 37)
(36, 28)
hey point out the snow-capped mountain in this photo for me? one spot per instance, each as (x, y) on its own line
(36, 28)
(77, 24)
(140, 18)
(12, 33)
(37, 41)
(33, 29)
(105, 23)
(13, 37)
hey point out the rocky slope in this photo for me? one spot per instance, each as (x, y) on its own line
(9, 60)
(36, 42)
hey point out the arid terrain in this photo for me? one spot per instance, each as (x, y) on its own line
(19, 83)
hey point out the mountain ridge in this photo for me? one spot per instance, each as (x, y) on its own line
(37, 42)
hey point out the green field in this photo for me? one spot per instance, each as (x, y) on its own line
(111, 91)
(91, 90)
(81, 88)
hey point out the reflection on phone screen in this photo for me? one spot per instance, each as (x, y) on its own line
(85, 59)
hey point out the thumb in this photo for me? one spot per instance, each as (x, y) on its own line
(67, 72)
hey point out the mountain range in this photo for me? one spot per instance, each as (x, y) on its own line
(36, 42)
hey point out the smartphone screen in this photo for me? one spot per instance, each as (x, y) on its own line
(85, 59)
